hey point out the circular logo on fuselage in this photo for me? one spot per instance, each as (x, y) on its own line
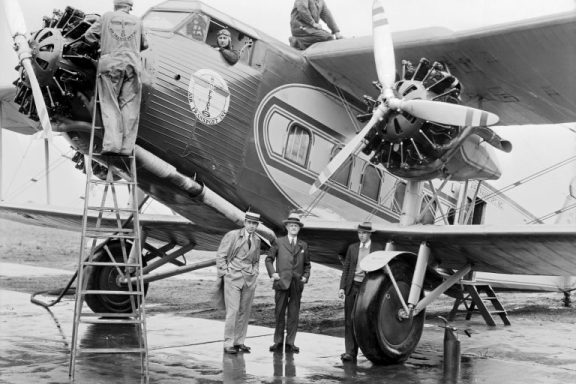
(208, 96)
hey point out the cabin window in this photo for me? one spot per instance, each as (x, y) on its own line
(371, 182)
(277, 128)
(451, 216)
(297, 145)
(163, 20)
(399, 194)
(320, 154)
(428, 213)
(477, 216)
(342, 174)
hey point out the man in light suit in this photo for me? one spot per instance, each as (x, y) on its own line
(292, 271)
(237, 261)
(352, 277)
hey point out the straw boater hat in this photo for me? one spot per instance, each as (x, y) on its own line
(252, 216)
(365, 227)
(293, 218)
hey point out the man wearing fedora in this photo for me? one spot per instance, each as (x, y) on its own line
(237, 262)
(291, 272)
(352, 277)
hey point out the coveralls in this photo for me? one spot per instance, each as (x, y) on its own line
(121, 39)
(304, 15)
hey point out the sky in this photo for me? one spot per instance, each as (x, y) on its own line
(531, 144)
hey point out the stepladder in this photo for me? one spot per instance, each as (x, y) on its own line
(109, 311)
(477, 298)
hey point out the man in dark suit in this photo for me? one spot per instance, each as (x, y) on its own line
(352, 277)
(292, 271)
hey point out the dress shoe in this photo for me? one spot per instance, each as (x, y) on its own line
(347, 357)
(276, 347)
(292, 348)
(230, 350)
(242, 348)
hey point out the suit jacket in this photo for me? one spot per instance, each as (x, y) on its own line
(291, 262)
(350, 261)
(231, 244)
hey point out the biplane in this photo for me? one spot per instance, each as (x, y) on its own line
(387, 127)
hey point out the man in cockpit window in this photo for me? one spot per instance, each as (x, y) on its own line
(121, 38)
(305, 23)
(224, 45)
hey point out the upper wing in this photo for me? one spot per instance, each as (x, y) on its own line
(523, 71)
(520, 249)
(11, 118)
(167, 228)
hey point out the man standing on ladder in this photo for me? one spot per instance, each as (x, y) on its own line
(121, 38)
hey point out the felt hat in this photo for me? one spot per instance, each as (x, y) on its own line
(293, 218)
(365, 227)
(252, 216)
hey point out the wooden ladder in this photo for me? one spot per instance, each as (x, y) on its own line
(471, 296)
(127, 232)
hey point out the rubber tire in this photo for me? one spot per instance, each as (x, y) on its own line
(104, 278)
(381, 336)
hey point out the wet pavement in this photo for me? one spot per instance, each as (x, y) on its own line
(34, 348)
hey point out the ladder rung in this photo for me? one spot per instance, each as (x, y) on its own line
(101, 292)
(111, 350)
(105, 235)
(115, 230)
(111, 321)
(112, 209)
(98, 181)
(111, 264)
(102, 314)
(497, 312)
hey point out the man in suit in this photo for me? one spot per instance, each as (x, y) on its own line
(237, 261)
(292, 271)
(352, 277)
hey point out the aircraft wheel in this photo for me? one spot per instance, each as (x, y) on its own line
(383, 336)
(105, 278)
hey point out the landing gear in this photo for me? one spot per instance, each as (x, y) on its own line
(107, 278)
(383, 331)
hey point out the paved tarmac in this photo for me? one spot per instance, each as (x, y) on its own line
(34, 348)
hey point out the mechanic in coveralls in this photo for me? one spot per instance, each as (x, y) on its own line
(121, 38)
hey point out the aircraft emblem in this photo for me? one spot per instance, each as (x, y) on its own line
(208, 96)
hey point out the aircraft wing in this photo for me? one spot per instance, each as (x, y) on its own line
(11, 118)
(521, 71)
(519, 249)
(166, 228)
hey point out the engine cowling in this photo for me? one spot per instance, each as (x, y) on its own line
(63, 65)
(408, 146)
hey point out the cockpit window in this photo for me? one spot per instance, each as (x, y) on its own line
(164, 20)
(196, 27)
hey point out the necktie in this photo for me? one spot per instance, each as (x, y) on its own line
(249, 241)
(292, 242)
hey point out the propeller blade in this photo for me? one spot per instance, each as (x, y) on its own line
(349, 149)
(17, 28)
(446, 113)
(383, 47)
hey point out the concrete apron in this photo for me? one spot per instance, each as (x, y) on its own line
(34, 348)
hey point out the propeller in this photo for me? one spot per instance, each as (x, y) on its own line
(17, 28)
(433, 111)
